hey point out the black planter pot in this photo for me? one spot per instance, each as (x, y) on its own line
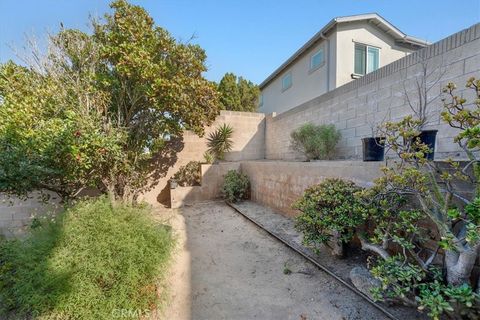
(373, 149)
(428, 138)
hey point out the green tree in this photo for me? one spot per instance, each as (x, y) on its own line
(98, 107)
(412, 275)
(238, 94)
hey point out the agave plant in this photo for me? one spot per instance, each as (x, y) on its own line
(219, 141)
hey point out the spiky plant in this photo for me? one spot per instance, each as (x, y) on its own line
(220, 142)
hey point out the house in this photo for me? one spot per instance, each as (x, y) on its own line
(345, 49)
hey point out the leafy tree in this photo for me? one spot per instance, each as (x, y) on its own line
(412, 277)
(238, 94)
(98, 107)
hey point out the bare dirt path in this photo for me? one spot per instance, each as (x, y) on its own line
(227, 268)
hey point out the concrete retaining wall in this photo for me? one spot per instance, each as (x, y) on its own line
(277, 184)
(248, 143)
(211, 188)
(359, 106)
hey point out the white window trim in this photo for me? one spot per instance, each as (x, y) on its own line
(357, 75)
(291, 81)
(310, 69)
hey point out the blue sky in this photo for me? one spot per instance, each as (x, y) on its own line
(250, 38)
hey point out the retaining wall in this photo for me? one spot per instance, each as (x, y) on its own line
(248, 143)
(277, 184)
(210, 189)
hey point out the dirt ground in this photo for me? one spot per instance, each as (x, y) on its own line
(227, 268)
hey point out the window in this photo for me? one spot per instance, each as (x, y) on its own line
(317, 59)
(286, 81)
(260, 99)
(366, 59)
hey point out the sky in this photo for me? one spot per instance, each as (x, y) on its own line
(250, 38)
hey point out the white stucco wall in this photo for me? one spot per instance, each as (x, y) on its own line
(308, 85)
(365, 33)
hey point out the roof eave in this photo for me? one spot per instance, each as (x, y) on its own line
(399, 35)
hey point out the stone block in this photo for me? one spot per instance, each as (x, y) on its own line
(356, 122)
(472, 64)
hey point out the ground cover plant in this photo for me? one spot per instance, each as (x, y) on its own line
(316, 142)
(236, 186)
(89, 263)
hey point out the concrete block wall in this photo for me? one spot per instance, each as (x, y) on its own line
(210, 189)
(277, 184)
(248, 143)
(16, 214)
(358, 107)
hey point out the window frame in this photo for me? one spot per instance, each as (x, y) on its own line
(320, 50)
(288, 74)
(366, 46)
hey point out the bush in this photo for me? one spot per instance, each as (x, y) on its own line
(330, 214)
(407, 282)
(316, 142)
(219, 141)
(85, 264)
(189, 174)
(236, 186)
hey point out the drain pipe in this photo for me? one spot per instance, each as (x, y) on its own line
(322, 35)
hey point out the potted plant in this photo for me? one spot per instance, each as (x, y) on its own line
(428, 138)
(373, 148)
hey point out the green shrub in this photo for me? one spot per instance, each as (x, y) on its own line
(236, 186)
(330, 213)
(219, 141)
(90, 262)
(407, 282)
(189, 174)
(315, 142)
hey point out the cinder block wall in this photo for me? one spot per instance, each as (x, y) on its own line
(16, 214)
(248, 143)
(359, 106)
(210, 188)
(277, 184)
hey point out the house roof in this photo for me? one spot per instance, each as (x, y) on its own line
(400, 37)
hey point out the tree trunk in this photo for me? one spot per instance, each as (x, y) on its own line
(337, 245)
(460, 266)
(366, 246)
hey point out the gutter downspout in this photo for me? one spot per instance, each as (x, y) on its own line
(322, 35)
